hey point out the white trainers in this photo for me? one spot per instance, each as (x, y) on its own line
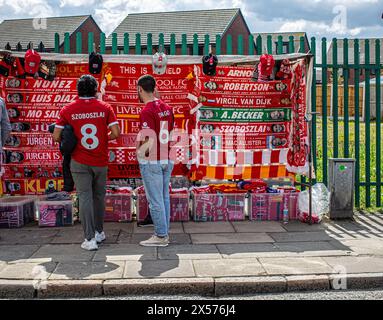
(100, 237)
(90, 245)
(155, 241)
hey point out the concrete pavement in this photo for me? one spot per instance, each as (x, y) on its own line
(210, 259)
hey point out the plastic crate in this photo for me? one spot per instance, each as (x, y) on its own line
(269, 206)
(17, 211)
(54, 213)
(179, 207)
(118, 207)
(219, 207)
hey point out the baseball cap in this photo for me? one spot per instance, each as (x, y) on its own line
(95, 63)
(32, 61)
(210, 64)
(267, 64)
(160, 61)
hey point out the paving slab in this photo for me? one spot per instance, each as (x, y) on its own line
(125, 226)
(28, 271)
(245, 250)
(357, 264)
(35, 236)
(9, 253)
(17, 289)
(300, 236)
(159, 269)
(70, 289)
(88, 270)
(68, 236)
(297, 226)
(308, 283)
(174, 286)
(189, 252)
(175, 238)
(123, 252)
(175, 227)
(369, 246)
(220, 238)
(208, 227)
(124, 237)
(228, 267)
(295, 266)
(63, 253)
(112, 236)
(249, 285)
(258, 226)
(312, 249)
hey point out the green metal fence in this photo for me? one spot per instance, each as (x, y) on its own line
(332, 136)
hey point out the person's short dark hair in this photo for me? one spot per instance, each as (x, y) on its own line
(147, 83)
(87, 86)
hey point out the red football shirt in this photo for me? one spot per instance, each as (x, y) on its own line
(159, 117)
(91, 120)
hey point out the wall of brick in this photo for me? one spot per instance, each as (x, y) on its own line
(238, 27)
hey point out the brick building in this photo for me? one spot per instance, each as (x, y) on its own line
(24, 31)
(201, 22)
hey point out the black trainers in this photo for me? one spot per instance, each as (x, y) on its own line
(148, 222)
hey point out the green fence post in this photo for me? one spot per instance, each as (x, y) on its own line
(335, 96)
(367, 119)
(240, 45)
(206, 45)
(229, 45)
(114, 43)
(78, 42)
(259, 45)
(57, 43)
(90, 42)
(313, 105)
(251, 45)
(378, 123)
(102, 43)
(291, 44)
(357, 124)
(184, 45)
(149, 43)
(345, 100)
(269, 44)
(218, 45)
(66, 43)
(173, 44)
(126, 43)
(302, 48)
(324, 109)
(138, 43)
(195, 44)
(280, 45)
(161, 42)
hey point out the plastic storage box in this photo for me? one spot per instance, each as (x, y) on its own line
(270, 206)
(219, 207)
(179, 207)
(54, 213)
(15, 212)
(118, 207)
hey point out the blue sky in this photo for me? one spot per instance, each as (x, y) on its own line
(319, 18)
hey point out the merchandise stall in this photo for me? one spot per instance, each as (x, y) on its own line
(241, 135)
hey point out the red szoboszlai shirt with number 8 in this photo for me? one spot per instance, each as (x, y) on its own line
(91, 120)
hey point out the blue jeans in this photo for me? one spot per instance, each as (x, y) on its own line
(156, 179)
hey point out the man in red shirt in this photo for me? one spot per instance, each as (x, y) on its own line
(157, 121)
(94, 124)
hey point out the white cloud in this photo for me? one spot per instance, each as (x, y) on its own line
(76, 3)
(30, 8)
